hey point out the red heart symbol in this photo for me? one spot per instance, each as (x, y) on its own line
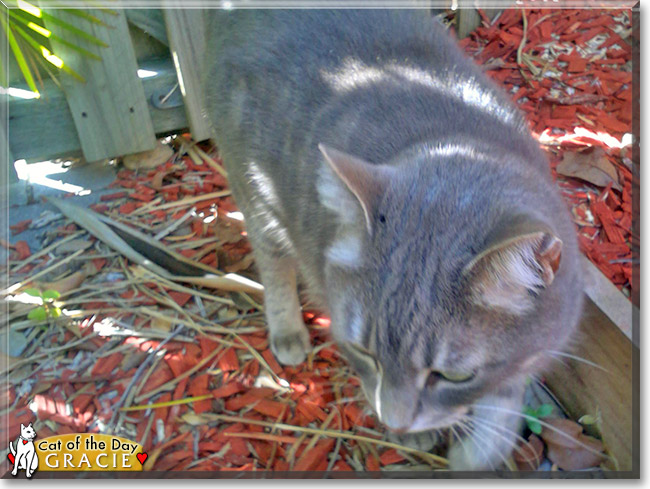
(11, 458)
(24, 442)
(141, 457)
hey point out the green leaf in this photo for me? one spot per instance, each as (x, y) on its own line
(534, 426)
(18, 54)
(55, 312)
(587, 419)
(53, 59)
(38, 314)
(33, 292)
(69, 27)
(51, 294)
(85, 15)
(530, 411)
(544, 410)
(51, 37)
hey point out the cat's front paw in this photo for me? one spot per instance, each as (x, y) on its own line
(423, 441)
(291, 347)
(467, 456)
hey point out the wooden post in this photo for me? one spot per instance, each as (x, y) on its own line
(468, 19)
(110, 111)
(186, 34)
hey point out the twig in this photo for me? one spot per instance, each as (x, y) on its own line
(185, 201)
(331, 433)
(46, 250)
(17, 286)
(138, 372)
(175, 225)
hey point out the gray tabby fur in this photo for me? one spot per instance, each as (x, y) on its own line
(451, 266)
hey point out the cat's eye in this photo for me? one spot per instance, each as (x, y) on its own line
(455, 377)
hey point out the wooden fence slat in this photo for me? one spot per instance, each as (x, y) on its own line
(109, 110)
(186, 35)
(44, 129)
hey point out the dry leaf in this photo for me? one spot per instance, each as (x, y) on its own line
(157, 180)
(72, 281)
(573, 450)
(147, 160)
(162, 324)
(593, 166)
(242, 264)
(529, 455)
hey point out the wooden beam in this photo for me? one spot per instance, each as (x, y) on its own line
(611, 301)
(584, 389)
(109, 110)
(44, 129)
(186, 33)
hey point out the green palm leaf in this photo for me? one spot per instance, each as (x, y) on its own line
(69, 27)
(18, 54)
(85, 15)
(49, 56)
(49, 35)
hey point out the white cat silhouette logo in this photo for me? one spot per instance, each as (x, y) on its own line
(24, 455)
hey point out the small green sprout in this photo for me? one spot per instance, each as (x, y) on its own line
(47, 309)
(542, 411)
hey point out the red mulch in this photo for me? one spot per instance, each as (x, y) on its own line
(575, 86)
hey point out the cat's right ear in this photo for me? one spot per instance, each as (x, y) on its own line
(520, 258)
(367, 183)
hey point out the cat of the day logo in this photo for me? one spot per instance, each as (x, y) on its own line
(74, 452)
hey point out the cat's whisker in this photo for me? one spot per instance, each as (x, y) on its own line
(494, 429)
(471, 432)
(554, 353)
(481, 436)
(545, 425)
(500, 428)
(564, 364)
(541, 384)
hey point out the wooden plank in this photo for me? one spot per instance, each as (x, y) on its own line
(584, 389)
(186, 34)
(109, 110)
(609, 299)
(44, 129)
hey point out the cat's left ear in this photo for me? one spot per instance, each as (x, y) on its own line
(520, 258)
(366, 181)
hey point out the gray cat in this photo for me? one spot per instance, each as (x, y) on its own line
(379, 167)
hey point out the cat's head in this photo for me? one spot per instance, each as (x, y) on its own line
(27, 432)
(432, 315)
